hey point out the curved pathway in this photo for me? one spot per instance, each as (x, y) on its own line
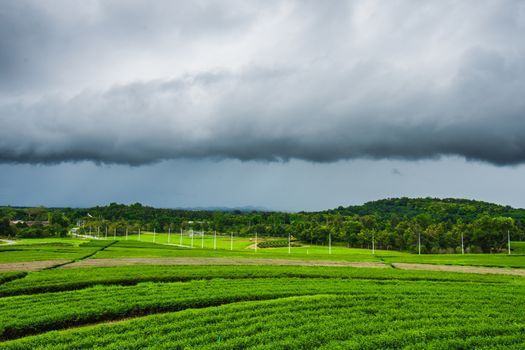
(39, 265)
(30, 265)
(219, 261)
(457, 268)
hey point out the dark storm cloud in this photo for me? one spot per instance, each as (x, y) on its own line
(39, 41)
(411, 80)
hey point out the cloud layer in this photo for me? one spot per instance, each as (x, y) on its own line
(129, 83)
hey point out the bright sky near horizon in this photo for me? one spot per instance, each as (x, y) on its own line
(289, 105)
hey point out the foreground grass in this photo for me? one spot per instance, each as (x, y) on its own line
(306, 313)
(262, 307)
(21, 315)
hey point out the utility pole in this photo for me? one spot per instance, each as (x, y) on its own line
(231, 240)
(330, 243)
(126, 233)
(256, 241)
(215, 239)
(154, 234)
(191, 232)
(139, 233)
(462, 244)
(169, 234)
(289, 244)
(508, 237)
(180, 235)
(115, 233)
(373, 244)
(202, 238)
(419, 242)
(106, 232)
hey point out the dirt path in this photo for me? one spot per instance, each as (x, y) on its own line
(39, 265)
(218, 261)
(465, 269)
(30, 265)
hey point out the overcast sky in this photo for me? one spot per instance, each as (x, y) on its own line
(289, 105)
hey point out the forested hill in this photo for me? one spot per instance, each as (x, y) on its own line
(441, 210)
(399, 223)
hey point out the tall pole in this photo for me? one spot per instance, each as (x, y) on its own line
(289, 244)
(215, 239)
(462, 245)
(106, 232)
(154, 234)
(256, 241)
(508, 237)
(191, 232)
(169, 234)
(139, 233)
(231, 240)
(98, 231)
(419, 242)
(373, 244)
(126, 233)
(180, 235)
(202, 238)
(115, 233)
(330, 243)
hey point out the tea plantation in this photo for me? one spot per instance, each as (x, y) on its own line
(257, 307)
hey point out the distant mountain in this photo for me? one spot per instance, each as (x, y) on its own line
(244, 209)
(447, 209)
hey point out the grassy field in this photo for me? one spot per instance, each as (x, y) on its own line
(136, 249)
(518, 247)
(58, 280)
(261, 307)
(76, 249)
(49, 249)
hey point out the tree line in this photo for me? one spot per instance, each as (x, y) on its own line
(441, 225)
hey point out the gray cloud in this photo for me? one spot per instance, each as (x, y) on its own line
(395, 171)
(411, 80)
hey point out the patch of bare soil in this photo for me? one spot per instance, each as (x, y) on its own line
(466, 269)
(218, 261)
(30, 265)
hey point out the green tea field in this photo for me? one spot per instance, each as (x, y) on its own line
(119, 294)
